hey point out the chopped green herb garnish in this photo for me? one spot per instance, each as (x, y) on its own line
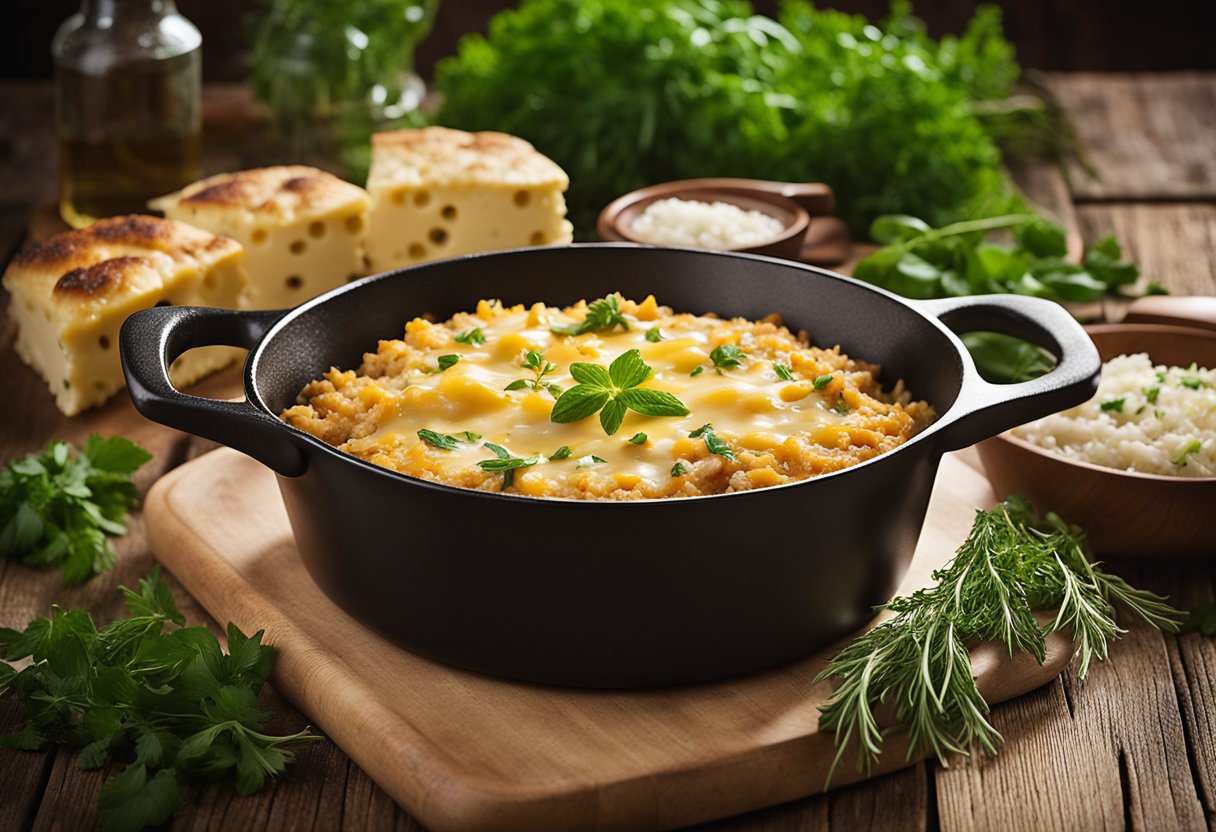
(1192, 447)
(1140, 409)
(727, 356)
(57, 509)
(506, 464)
(1161, 376)
(638, 439)
(823, 381)
(1193, 382)
(157, 701)
(678, 470)
(602, 316)
(841, 407)
(712, 442)
(611, 392)
(540, 368)
(469, 436)
(653, 335)
(783, 372)
(1151, 394)
(472, 336)
(449, 360)
(561, 453)
(1112, 406)
(697, 371)
(442, 441)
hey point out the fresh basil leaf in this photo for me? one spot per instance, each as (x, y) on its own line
(678, 470)
(727, 356)
(561, 453)
(591, 374)
(783, 372)
(652, 402)
(518, 384)
(701, 431)
(914, 277)
(498, 465)
(612, 415)
(653, 335)
(638, 439)
(1042, 238)
(628, 369)
(821, 382)
(897, 228)
(442, 441)
(498, 450)
(579, 402)
(1003, 359)
(473, 336)
(1077, 286)
(449, 360)
(1112, 406)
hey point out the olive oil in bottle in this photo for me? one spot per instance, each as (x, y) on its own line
(127, 85)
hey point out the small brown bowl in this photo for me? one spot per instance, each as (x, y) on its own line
(799, 207)
(1125, 513)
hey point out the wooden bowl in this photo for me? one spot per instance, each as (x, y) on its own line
(1125, 513)
(796, 206)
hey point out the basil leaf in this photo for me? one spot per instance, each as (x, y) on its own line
(518, 384)
(498, 450)
(653, 335)
(783, 372)
(727, 356)
(446, 361)
(678, 470)
(823, 381)
(472, 336)
(628, 369)
(896, 228)
(701, 431)
(612, 415)
(510, 464)
(561, 453)
(652, 402)
(638, 439)
(592, 374)
(579, 402)
(442, 441)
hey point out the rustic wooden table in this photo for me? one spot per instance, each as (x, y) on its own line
(1133, 746)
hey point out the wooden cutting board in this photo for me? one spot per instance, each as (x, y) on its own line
(464, 751)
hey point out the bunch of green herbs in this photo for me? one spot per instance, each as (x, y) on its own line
(148, 692)
(57, 507)
(1012, 565)
(624, 95)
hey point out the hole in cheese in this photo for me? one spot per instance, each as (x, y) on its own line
(448, 212)
(294, 282)
(316, 229)
(522, 198)
(537, 238)
(422, 198)
(398, 197)
(354, 224)
(417, 250)
(258, 236)
(104, 342)
(438, 236)
(297, 246)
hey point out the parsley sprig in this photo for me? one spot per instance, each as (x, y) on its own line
(1011, 565)
(149, 692)
(56, 508)
(612, 391)
(540, 368)
(602, 316)
(472, 337)
(726, 357)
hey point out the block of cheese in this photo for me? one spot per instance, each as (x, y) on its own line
(440, 193)
(302, 228)
(71, 294)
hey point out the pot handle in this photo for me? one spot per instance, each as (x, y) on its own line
(152, 339)
(984, 409)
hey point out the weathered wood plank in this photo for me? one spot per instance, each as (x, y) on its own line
(1149, 136)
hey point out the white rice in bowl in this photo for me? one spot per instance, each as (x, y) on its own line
(1144, 418)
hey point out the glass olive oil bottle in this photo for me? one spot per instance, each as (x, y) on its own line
(127, 87)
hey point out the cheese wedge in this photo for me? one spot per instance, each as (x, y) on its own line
(71, 294)
(302, 228)
(440, 193)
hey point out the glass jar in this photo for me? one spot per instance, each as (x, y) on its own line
(127, 106)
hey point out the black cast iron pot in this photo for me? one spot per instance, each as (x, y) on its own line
(615, 594)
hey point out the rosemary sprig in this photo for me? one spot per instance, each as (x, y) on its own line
(1012, 564)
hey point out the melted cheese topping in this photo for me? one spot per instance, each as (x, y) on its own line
(778, 429)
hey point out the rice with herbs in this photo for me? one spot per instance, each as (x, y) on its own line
(1144, 418)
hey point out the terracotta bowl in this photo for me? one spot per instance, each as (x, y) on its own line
(1127, 514)
(793, 204)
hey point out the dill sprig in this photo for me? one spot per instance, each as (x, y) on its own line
(1011, 565)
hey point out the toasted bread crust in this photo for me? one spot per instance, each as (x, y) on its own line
(442, 156)
(284, 191)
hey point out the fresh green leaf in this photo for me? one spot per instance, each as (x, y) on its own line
(1003, 359)
(783, 372)
(727, 356)
(611, 391)
(697, 371)
(602, 316)
(579, 402)
(1192, 447)
(653, 335)
(897, 228)
(628, 370)
(1201, 619)
(678, 470)
(471, 336)
(638, 439)
(652, 402)
(561, 453)
(448, 361)
(442, 441)
(1112, 406)
(132, 800)
(612, 415)
(712, 442)
(1042, 238)
(821, 382)
(592, 374)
